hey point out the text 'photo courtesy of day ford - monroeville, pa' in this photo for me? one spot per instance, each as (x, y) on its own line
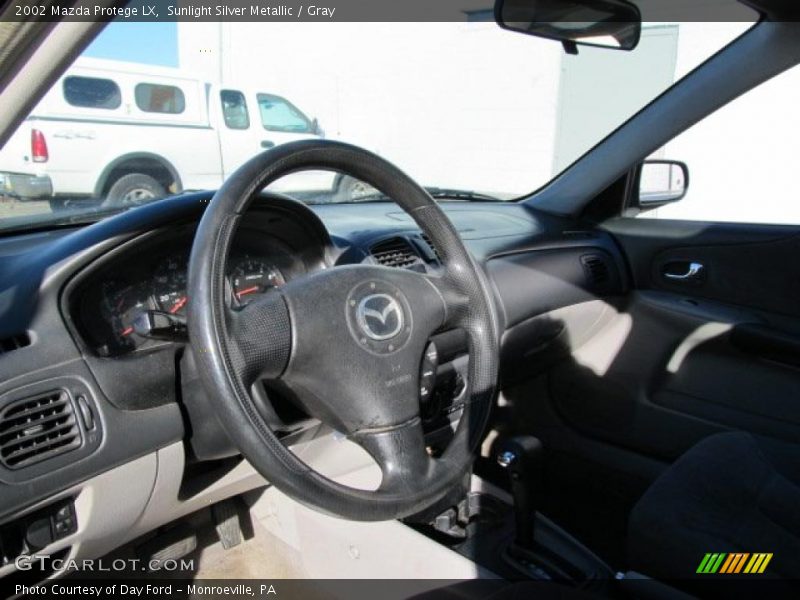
(452, 299)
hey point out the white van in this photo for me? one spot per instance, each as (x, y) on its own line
(124, 133)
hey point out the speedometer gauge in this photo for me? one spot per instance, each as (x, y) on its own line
(170, 285)
(254, 276)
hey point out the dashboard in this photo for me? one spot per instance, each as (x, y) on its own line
(70, 300)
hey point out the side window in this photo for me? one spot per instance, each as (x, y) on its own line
(156, 98)
(92, 92)
(278, 114)
(234, 109)
(742, 159)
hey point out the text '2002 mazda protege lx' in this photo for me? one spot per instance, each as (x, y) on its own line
(458, 299)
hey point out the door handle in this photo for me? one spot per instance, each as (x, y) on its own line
(694, 272)
(267, 144)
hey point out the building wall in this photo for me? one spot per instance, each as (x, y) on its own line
(521, 112)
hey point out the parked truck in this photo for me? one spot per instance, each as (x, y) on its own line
(119, 134)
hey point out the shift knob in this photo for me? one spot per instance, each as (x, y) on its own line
(522, 456)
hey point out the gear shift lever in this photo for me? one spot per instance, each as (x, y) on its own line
(549, 553)
(522, 457)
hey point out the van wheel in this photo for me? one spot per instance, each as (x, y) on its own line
(134, 189)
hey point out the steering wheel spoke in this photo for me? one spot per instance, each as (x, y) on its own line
(402, 456)
(260, 337)
(456, 302)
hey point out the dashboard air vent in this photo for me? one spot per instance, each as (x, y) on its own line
(597, 270)
(38, 428)
(14, 342)
(427, 240)
(395, 252)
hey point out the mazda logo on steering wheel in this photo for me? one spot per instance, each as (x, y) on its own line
(380, 316)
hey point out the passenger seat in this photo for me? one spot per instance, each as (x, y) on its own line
(731, 493)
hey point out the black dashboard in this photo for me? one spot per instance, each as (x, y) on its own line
(69, 299)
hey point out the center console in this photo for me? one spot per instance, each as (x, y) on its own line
(505, 534)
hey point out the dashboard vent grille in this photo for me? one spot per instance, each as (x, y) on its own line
(38, 428)
(427, 240)
(395, 252)
(597, 270)
(15, 342)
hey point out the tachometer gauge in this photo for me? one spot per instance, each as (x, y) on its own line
(254, 276)
(123, 304)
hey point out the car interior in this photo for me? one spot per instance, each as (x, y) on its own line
(544, 390)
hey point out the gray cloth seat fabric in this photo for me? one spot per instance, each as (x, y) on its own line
(732, 492)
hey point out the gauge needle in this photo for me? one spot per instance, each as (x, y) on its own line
(246, 291)
(127, 331)
(178, 305)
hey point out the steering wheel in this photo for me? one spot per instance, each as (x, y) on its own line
(347, 340)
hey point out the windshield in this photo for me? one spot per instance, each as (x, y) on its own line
(469, 110)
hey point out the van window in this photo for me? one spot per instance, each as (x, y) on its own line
(92, 92)
(234, 109)
(155, 98)
(278, 114)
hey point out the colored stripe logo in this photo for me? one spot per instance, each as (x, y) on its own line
(735, 562)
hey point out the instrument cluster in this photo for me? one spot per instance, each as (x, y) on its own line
(152, 276)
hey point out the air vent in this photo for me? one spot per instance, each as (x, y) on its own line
(597, 270)
(15, 342)
(37, 428)
(427, 240)
(395, 252)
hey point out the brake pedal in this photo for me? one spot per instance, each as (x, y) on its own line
(227, 524)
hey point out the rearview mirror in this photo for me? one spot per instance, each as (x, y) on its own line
(662, 182)
(603, 23)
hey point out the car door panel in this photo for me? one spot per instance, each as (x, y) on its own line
(663, 376)
(745, 264)
(606, 389)
(768, 343)
(698, 357)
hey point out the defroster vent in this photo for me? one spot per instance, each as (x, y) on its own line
(37, 428)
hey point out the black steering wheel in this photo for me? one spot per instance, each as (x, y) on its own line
(347, 340)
